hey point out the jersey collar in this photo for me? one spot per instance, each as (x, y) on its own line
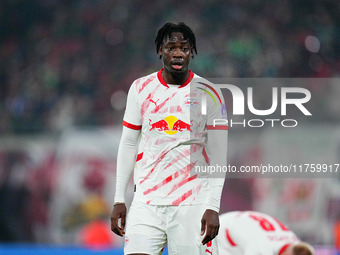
(160, 78)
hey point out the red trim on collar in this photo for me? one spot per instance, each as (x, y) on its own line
(283, 248)
(191, 75)
(160, 78)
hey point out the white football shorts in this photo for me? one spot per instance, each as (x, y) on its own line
(150, 227)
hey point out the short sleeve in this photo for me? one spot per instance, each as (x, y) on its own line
(132, 115)
(217, 111)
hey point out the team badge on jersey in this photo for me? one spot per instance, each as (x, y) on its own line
(191, 103)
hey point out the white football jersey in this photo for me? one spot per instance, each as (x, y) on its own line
(173, 137)
(253, 233)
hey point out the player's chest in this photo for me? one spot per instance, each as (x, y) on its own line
(172, 110)
(170, 101)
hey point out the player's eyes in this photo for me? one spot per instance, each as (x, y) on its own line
(184, 49)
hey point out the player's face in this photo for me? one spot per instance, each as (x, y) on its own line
(176, 53)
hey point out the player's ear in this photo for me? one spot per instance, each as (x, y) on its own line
(160, 52)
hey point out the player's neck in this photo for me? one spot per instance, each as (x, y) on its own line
(173, 78)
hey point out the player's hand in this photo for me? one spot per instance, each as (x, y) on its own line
(118, 212)
(210, 225)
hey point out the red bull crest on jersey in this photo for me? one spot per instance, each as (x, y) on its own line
(170, 125)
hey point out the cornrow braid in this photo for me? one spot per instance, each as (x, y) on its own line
(165, 32)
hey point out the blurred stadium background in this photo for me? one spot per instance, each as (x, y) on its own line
(65, 69)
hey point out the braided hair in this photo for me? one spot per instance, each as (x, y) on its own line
(165, 32)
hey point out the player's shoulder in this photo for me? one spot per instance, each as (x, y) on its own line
(148, 76)
(144, 80)
(204, 84)
(198, 80)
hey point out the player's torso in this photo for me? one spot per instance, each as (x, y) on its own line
(172, 142)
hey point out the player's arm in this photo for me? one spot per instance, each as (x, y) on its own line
(125, 163)
(126, 158)
(216, 146)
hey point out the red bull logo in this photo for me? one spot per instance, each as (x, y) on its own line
(170, 125)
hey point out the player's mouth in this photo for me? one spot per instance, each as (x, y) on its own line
(177, 65)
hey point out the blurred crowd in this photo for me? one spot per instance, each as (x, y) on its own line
(66, 63)
(71, 62)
